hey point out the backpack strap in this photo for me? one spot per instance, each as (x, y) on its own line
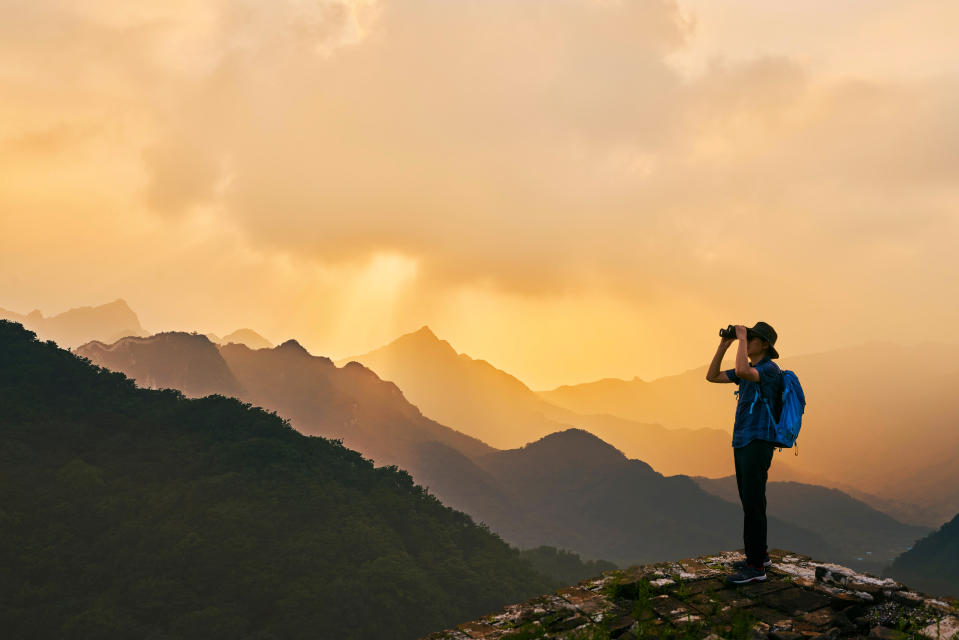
(756, 397)
(772, 418)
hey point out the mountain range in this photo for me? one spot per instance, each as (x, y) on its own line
(569, 489)
(888, 440)
(475, 397)
(247, 337)
(107, 322)
(349, 403)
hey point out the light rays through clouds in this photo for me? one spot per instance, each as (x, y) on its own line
(571, 189)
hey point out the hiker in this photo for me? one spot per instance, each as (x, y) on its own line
(754, 436)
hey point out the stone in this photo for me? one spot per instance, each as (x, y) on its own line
(880, 632)
(909, 598)
(875, 590)
(659, 583)
(824, 574)
(754, 589)
(820, 618)
(945, 629)
(844, 600)
(733, 598)
(476, 629)
(846, 626)
(634, 574)
(669, 607)
(788, 556)
(939, 605)
(588, 602)
(702, 602)
(620, 625)
(704, 586)
(695, 567)
(562, 621)
(855, 611)
(796, 600)
(767, 615)
(687, 617)
(759, 631)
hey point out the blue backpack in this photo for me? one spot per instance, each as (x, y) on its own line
(794, 404)
(790, 420)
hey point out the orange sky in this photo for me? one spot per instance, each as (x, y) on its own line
(570, 189)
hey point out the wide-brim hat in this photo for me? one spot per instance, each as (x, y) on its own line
(767, 333)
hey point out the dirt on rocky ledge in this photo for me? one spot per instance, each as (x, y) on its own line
(800, 599)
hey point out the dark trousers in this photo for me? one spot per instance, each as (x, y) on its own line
(752, 465)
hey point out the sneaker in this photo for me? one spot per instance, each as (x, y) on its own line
(748, 574)
(741, 564)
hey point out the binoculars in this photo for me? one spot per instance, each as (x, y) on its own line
(730, 332)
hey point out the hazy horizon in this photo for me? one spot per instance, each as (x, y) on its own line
(727, 361)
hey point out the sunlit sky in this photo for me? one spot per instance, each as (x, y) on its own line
(569, 189)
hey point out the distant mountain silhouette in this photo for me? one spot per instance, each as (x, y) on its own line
(350, 403)
(175, 360)
(247, 337)
(133, 513)
(107, 322)
(476, 398)
(933, 562)
(892, 436)
(568, 490)
(868, 539)
(706, 452)
(906, 512)
(578, 492)
(470, 395)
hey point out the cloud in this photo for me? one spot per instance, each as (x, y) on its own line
(530, 143)
(544, 149)
(470, 135)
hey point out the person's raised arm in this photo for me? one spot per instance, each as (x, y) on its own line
(743, 368)
(714, 374)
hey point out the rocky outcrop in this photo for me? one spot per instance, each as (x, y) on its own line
(800, 599)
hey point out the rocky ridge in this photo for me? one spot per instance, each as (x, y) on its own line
(800, 600)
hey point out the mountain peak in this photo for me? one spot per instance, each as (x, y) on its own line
(353, 365)
(425, 332)
(575, 446)
(292, 346)
(423, 339)
(249, 337)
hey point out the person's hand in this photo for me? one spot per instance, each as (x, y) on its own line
(725, 342)
(740, 332)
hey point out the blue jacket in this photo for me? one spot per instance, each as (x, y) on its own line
(756, 425)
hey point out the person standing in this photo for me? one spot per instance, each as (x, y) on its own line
(754, 435)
